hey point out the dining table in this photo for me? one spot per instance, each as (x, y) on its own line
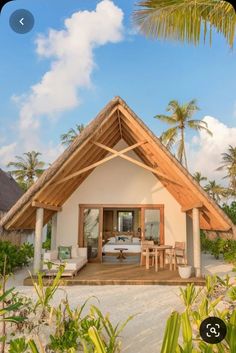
(157, 249)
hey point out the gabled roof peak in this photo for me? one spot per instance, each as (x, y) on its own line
(91, 148)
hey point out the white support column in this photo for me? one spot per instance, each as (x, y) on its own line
(197, 242)
(54, 232)
(38, 239)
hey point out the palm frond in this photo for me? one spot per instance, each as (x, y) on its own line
(186, 20)
(199, 125)
(168, 138)
(166, 119)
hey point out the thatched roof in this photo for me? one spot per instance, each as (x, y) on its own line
(10, 191)
(115, 122)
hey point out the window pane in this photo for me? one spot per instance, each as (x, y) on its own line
(152, 225)
(91, 231)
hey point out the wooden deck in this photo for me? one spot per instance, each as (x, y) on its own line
(107, 274)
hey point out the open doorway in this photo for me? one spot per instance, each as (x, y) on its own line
(113, 233)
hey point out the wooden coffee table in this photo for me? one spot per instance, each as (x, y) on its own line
(121, 256)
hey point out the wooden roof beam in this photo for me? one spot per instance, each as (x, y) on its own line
(46, 206)
(119, 121)
(102, 161)
(134, 161)
(193, 205)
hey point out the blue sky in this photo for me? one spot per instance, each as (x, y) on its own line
(146, 73)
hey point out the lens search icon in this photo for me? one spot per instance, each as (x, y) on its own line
(213, 330)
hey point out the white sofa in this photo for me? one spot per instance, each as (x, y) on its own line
(77, 261)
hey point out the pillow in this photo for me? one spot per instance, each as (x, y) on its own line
(111, 240)
(136, 240)
(64, 252)
(123, 239)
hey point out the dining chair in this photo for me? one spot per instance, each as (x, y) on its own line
(178, 252)
(144, 251)
(154, 255)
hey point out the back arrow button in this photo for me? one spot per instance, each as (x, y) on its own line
(21, 21)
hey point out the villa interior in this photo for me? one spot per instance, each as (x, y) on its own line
(103, 228)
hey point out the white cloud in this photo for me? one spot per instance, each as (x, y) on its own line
(71, 55)
(71, 52)
(7, 153)
(207, 157)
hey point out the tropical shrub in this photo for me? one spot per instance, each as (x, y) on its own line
(205, 242)
(220, 247)
(41, 327)
(230, 211)
(17, 256)
(218, 299)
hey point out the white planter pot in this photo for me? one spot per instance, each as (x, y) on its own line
(185, 271)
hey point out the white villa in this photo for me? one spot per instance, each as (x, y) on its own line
(117, 183)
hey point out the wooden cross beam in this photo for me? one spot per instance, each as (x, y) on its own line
(134, 161)
(38, 204)
(102, 161)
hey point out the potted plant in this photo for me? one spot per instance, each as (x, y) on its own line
(185, 271)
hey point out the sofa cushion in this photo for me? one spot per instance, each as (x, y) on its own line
(70, 264)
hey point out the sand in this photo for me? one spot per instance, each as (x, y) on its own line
(152, 304)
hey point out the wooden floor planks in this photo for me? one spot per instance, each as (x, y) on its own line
(108, 274)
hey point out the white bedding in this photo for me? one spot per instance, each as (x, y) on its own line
(132, 248)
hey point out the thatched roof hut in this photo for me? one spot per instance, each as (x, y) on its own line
(10, 191)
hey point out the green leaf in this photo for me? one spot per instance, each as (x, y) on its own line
(171, 335)
(187, 332)
(95, 338)
(33, 346)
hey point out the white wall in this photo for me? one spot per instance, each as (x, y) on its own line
(120, 182)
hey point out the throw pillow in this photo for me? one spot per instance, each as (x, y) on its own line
(64, 252)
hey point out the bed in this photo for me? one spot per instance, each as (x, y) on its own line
(133, 244)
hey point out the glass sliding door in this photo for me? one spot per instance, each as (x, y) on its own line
(153, 224)
(90, 232)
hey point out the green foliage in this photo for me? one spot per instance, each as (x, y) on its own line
(216, 299)
(68, 338)
(17, 256)
(47, 244)
(71, 134)
(205, 242)
(180, 120)
(230, 211)
(219, 247)
(18, 345)
(27, 168)
(74, 331)
(69, 330)
(7, 311)
(171, 335)
(186, 20)
(45, 294)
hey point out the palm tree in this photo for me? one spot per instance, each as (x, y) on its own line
(70, 136)
(27, 169)
(186, 20)
(215, 190)
(229, 164)
(180, 119)
(199, 178)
